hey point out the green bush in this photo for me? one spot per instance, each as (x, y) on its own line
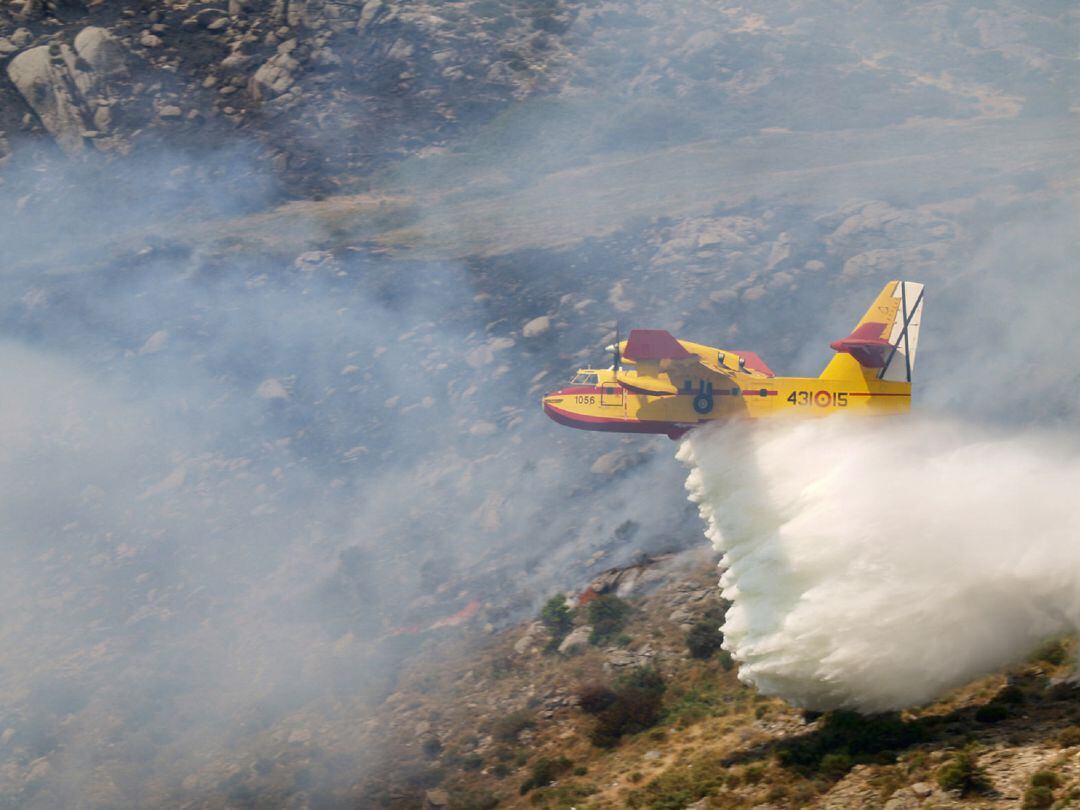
(962, 773)
(545, 771)
(608, 615)
(835, 766)
(420, 776)
(864, 738)
(637, 706)
(506, 729)
(472, 762)
(475, 800)
(1051, 652)
(431, 747)
(1038, 797)
(703, 640)
(991, 713)
(593, 698)
(1045, 779)
(565, 794)
(696, 703)
(777, 793)
(1069, 737)
(1011, 695)
(557, 618)
(676, 788)
(753, 774)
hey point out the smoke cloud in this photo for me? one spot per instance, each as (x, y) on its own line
(875, 564)
(247, 460)
(240, 488)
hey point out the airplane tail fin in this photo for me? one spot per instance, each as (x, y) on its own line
(882, 345)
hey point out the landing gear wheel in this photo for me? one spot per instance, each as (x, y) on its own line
(703, 403)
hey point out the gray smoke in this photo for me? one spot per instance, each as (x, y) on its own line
(239, 488)
(242, 455)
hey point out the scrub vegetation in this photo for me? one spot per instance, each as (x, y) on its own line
(663, 722)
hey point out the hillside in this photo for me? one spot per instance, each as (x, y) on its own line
(283, 282)
(514, 722)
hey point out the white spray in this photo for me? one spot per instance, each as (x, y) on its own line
(874, 564)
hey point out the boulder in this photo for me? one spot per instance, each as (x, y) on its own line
(103, 52)
(618, 461)
(22, 37)
(286, 13)
(65, 86)
(29, 9)
(316, 260)
(620, 658)
(922, 789)
(275, 76)
(535, 634)
(903, 799)
(372, 8)
(206, 17)
(577, 639)
(49, 88)
(536, 327)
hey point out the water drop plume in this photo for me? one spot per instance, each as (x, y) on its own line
(875, 564)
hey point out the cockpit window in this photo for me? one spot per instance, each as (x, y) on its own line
(585, 379)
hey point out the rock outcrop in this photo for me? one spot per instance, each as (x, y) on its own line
(275, 76)
(47, 83)
(109, 75)
(70, 89)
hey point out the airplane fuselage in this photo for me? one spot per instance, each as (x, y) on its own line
(609, 406)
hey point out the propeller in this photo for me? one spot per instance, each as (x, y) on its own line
(615, 349)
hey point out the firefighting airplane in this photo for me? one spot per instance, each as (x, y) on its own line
(658, 384)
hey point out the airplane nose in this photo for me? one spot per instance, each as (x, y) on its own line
(550, 399)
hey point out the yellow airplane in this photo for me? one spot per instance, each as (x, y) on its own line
(658, 384)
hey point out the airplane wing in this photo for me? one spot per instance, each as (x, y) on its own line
(660, 358)
(654, 345)
(752, 361)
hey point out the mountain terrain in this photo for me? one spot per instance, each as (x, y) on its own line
(283, 284)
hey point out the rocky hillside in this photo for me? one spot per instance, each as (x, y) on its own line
(550, 715)
(282, 282)
(326, 89)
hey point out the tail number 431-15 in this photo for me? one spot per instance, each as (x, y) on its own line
(819, 399)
